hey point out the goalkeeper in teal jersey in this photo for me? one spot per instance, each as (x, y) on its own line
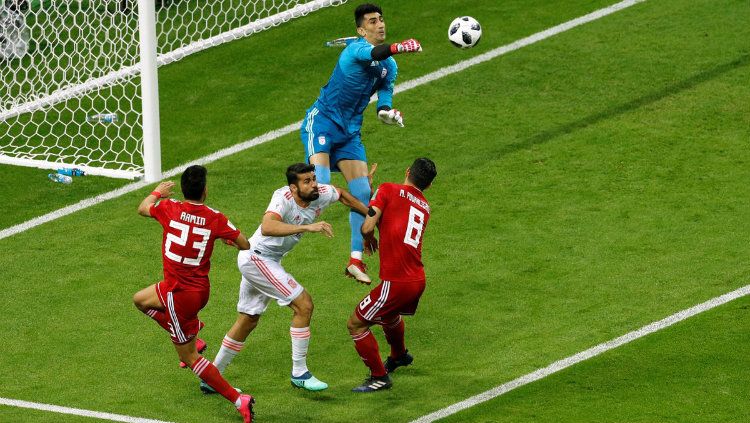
(330, 132)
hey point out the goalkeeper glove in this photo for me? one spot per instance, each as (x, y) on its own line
(391, 117)
(409, 46)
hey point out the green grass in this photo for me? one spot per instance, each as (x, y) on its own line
(693, 372)
(588, 185)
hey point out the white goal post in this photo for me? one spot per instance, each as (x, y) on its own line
(79, 77)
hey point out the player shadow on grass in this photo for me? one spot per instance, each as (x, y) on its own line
(693, 81)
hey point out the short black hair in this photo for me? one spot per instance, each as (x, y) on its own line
(293, 171)
(362, 10)
(422, 172)
(193, 182)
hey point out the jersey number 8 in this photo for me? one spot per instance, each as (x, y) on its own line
(414, 229)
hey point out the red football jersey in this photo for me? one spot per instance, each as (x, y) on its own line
(405, 213)
(188, 241)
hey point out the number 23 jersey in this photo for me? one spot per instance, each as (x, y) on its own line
(405, 213)
(188, 241)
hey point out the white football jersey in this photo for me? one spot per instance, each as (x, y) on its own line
(283, 204)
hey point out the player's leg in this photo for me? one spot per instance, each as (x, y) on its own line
(322, 164)
(367, 348)
(364, 316)
(147, 301)
(265, 279)
(250, 306)
(393, 327)
(355, 173)
(317, 143)
(209, 374)
(302, 307)
(408, 294)
(234, 340)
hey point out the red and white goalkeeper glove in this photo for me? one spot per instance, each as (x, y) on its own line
(408, 46)
(391, 117)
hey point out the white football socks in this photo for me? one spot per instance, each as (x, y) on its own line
(300, 342)
(229, 349)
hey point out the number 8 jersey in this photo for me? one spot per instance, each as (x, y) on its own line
(405, 213)
(190, 230)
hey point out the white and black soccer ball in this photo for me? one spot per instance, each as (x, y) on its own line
(464, 32)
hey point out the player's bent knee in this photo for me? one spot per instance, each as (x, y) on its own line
(306, 309)
(246, 323)
(355, 325)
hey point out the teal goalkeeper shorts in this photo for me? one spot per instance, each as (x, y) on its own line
(319, 134)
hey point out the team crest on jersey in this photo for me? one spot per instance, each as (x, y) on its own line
(383, 73)
(322, 140)
(292, 283)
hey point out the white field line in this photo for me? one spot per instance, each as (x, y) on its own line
(272, 135)
(76, 411)
(584, 355)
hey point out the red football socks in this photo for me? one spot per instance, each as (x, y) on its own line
(394, 334)
(367, 348)
(210, 374)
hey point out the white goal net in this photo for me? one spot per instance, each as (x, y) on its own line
(70, 72)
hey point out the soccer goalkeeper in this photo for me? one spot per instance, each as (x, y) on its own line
(330, 132)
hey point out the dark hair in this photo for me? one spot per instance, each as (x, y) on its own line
(193, 182)
(362, 10)
(296, 169)
(422, 172)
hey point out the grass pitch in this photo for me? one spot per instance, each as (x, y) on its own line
(588, 184)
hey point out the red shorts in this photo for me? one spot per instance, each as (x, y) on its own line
(181, 308)
(390, 299)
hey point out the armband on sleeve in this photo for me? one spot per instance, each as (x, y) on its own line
(371, 212)
(381, 52)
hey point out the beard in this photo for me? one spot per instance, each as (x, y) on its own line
(312, 196)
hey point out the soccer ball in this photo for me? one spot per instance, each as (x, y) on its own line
(464, 32)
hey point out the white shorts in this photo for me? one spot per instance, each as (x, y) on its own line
(262, 281)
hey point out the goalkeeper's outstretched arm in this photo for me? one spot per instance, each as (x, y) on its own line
(384, 51)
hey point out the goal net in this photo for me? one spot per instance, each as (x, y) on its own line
(71, 75)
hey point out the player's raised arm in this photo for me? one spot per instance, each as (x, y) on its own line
(163, 190)
(384, 51)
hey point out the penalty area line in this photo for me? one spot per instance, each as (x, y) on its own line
(277, 133)
(583, 355)
(76, 411)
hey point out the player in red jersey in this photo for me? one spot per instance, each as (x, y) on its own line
(190, 229)
(401, 213)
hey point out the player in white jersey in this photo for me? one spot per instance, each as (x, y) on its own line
(292, 212)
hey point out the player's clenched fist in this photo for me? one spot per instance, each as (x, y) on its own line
(408, 46)
(391, 117)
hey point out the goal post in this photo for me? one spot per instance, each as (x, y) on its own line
(78, 78)
(149, 92)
